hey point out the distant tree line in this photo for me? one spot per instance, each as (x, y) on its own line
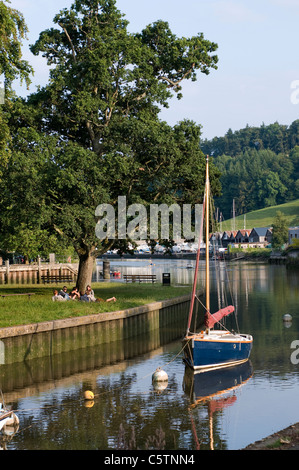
(276, 137)
(259, 166)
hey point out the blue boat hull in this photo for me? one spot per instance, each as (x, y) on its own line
(201, 354)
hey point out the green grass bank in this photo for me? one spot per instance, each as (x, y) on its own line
(265, 217)
(20, 310)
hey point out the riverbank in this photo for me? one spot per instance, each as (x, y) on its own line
(39, 307)
(38, 327)
(287, 439)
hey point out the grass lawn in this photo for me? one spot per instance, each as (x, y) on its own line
(20, 310)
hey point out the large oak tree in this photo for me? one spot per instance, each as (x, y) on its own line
(100, 112)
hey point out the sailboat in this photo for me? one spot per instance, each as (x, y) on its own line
(212, 348)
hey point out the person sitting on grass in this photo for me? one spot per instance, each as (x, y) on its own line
(84, 297)
(57, 297)
(64, 293)
(90, 293)
(75, 294)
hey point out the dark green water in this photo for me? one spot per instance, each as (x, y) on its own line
(128, 412)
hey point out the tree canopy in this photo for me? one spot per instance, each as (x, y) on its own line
(13, 30)
(93, 133)
(280, 233)
(259, 167)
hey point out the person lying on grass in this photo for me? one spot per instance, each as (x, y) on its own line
(88, 296)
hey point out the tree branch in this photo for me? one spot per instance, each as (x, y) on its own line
(173, 84)
(70, 41)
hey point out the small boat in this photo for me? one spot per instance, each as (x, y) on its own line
(8, 418)
(212, 348)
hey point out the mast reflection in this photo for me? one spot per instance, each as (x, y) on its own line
(215, 391)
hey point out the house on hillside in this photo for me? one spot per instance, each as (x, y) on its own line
(225, 239)
(233, 237)
(293, 234)
(243, 237)
(260, 237)
(228, 238)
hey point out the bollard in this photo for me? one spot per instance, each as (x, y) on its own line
(106, 269)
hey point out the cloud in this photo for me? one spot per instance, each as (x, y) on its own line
(231, 12)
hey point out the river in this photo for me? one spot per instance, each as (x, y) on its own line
(224, 410)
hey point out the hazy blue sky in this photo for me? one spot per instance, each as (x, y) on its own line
(258, 56)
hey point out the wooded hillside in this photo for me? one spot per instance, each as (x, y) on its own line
(259, 167)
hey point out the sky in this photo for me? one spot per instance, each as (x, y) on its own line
(257, 80)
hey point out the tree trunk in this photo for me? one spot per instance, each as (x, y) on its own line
(86, 263)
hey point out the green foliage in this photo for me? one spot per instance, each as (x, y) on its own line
(256, 179)
(104, 77)
(294, 245)
(280, 232)
(93, 133)
(12, 30)
(259, 166)
(275, 137)
(252, 253)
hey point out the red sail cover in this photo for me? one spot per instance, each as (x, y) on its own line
(212, 319)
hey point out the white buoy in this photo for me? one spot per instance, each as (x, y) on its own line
(287, 317)
(159, 376)
(160, 386)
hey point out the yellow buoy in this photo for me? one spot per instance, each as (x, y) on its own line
(88, 395)
(88, 403)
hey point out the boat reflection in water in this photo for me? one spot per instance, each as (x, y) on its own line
(215, 391)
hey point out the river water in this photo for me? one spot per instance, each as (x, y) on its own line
(228, 409)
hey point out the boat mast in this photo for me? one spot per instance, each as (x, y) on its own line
(207, 239)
